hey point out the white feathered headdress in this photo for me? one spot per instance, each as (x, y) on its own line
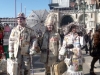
(51, 19)
(79, 27)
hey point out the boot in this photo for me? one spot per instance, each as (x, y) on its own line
(26, 72)
(48, 73)
(92, 73)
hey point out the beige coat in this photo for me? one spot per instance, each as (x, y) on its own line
(20, 38)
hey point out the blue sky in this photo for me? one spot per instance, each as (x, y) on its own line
(7, 7)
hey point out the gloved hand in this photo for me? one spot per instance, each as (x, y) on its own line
(70, 46)
(12, 56)
(32, 52)
(62, 51)
(61, 57)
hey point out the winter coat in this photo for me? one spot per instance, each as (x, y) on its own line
(50, 47)
(20, 38)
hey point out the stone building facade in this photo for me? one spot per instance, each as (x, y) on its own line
(9, 21)
(86, 12)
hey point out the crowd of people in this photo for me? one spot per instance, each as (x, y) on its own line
(1, 41)
(24, 42)
(4, 32)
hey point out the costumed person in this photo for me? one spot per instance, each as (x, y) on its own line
(71, 50)
(1, 41)
(7, 30)
(50, 44)
(95, 52)
(22, 43)
(3, 62)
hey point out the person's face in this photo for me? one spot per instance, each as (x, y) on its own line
(50, 27)
(21, 21)
(74, 30)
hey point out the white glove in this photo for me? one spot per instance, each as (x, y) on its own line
(11, 55)
(32, 52)
(61, 57)
(62, 51)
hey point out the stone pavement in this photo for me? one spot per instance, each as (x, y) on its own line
(40, 70)
(86, 66)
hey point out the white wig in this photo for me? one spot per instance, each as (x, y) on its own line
(79, 27)
(51, 19)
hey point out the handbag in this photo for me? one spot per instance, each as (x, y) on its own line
(95, 52)
(60, 68)
(12, 67)
(3, 65)
(69, 46)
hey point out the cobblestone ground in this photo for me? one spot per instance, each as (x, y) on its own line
(39, 67)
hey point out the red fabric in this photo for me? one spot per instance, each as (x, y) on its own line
(1, 51)
(7, 29)
(1, 35)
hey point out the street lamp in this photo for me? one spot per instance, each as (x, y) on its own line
(83, 7)
(15, 13)
(15, 8)
(25, 11)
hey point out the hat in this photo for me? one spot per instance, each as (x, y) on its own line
(49, 21)
(21, 15)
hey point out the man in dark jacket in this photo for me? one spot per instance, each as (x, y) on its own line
(90, 40)
(86, 37)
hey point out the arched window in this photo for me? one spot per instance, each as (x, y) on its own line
(66, 19)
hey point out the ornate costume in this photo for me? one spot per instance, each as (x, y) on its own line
(71, 49)
(19, 44)
(50, 44)
(1, 43)
(22, 42)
